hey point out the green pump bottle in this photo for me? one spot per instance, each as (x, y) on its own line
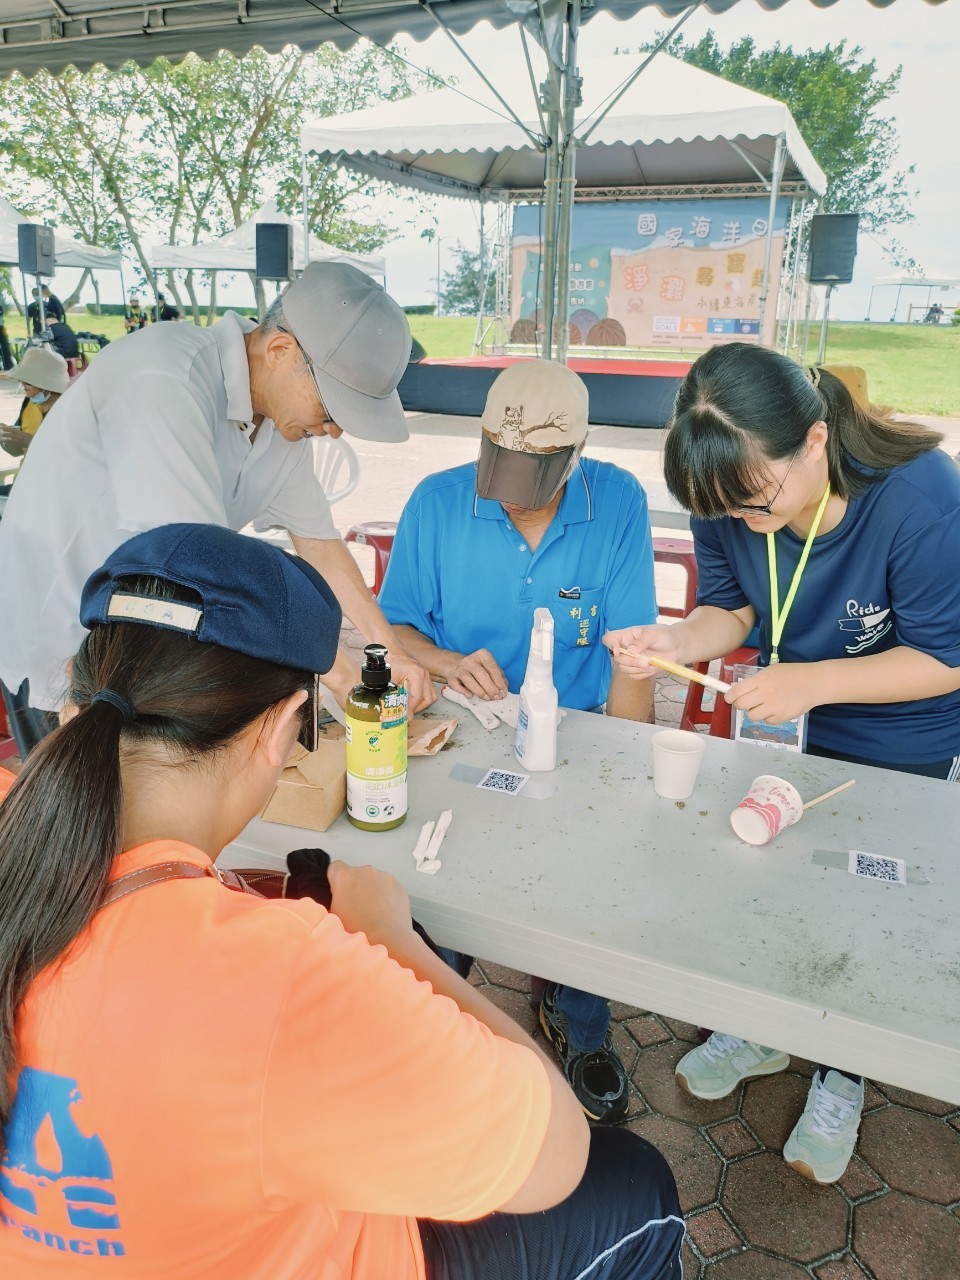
(376, 714)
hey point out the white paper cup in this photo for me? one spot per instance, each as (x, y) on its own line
(676, 762)
(771, 805)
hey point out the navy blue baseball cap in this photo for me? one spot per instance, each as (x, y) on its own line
(254, 598)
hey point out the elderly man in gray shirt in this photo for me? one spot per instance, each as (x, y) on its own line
(179, 423)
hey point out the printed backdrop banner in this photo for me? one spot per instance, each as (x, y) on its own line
(658, 273)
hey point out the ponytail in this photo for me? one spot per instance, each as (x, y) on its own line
(61, 825)
(864, 441)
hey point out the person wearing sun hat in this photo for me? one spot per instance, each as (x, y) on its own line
(44, 377)
(211, 425)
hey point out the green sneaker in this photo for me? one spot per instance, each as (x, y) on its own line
(824, 1137)
(714, 1069)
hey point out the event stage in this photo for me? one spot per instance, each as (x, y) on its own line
(623, 393)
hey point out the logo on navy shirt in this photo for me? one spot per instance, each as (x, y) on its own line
(864, 625)
(56, 1182)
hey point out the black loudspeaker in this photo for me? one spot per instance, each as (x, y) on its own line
(833, 248)
(274, 250)
(35, 249)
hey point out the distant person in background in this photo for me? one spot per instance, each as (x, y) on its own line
(135, 317)
(44, 377)
(52, 309)
(166, 310)
(64, 341)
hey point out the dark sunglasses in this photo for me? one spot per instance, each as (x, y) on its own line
(767, 510)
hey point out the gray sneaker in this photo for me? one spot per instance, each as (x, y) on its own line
(714, 1069)
(824, 1137)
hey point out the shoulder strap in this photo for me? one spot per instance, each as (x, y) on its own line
(134, 881)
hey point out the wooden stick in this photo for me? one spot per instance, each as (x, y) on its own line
(685, 673)
(808, 804)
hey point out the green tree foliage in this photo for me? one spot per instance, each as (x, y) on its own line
(461, 288)
(837, 98)
(181, 153)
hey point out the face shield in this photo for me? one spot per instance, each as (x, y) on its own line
(528, 480)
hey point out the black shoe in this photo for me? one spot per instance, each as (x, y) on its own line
(598, 1078)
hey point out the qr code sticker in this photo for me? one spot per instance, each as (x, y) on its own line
(502, 780)
(869, 865)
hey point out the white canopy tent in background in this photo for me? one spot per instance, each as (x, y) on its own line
(912, 280)
(675, 125)
(67, 253)
(39, 35)
(237, 250)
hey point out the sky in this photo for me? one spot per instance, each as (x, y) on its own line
(923, 38)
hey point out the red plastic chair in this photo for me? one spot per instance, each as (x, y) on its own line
(8, 746)
(378, 534)
(720, 715)
(678, 551)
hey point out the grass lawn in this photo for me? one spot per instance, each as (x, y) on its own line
(913, 368)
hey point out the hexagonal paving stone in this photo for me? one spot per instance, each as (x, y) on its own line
(841, 1269)
(625, 1046)
(772, 1105)
(621, 1012)
(500, 976)
(777, 1209)
(751, 1265)
(647, 1031)
(516, 1005)
(732, 1138)
(859, 1180)
(712, 1233)
(900, 1238)
(692, 1266)
(655, 1079)
(695, 1167)
(682, 1030)
(913, 1152)
(918, 1101)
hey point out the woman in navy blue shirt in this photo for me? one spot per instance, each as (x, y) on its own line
(836, 531)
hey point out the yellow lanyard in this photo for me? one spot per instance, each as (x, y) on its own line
(778, 616)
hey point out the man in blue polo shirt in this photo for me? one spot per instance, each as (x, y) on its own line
(532, 524)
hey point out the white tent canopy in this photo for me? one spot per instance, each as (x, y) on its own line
(237, 250)
(904, 280)
(42, 34)
(675, 124)
(67, 253)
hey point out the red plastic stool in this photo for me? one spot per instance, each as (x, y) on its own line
(378, 534)
(720, 715)
(678, 551)
(8, 746)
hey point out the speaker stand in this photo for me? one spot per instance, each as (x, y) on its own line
(822, 349)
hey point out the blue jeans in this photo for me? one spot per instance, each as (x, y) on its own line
(588, 1016)
(622, 1223)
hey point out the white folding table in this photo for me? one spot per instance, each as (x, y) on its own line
(587, 877)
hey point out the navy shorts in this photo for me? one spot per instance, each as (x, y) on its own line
(622, 1223)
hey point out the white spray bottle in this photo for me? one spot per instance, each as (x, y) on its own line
(536, 747)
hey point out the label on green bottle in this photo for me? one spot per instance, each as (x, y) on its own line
(377, 763)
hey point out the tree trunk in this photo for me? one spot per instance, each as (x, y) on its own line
(96, 293)
(75, 296)
(194, 300)
(212, 309)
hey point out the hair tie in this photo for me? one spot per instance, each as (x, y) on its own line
(814, 375)
(122, 704)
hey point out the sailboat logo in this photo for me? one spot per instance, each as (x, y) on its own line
(866, 624)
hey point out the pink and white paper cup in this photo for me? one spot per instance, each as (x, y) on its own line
(771, 805)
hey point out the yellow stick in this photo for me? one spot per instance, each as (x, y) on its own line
(808, 804)
(685, 673)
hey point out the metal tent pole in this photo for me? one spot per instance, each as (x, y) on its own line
(548, 245)
(305, 199)
(779, 159)
(568, 181)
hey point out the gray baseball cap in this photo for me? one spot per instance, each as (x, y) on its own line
(358, 341)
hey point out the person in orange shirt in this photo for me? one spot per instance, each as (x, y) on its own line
(203, 1084)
